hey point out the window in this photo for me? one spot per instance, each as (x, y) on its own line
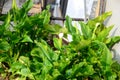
(61, 8)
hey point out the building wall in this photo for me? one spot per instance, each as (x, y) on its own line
(114, 6)
(8, 4)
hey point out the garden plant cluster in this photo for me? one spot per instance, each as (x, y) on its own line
(30, 48)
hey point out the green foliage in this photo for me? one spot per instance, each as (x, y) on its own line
(31, 50)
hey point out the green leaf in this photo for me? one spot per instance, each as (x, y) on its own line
(82, 44)
(98, 22)
(111, 75)
(53, 55)
(43, 49)
(69, 26)
(46, 15)
(4, 57)
(25, 72)
(1, 70)
(57, 43)
(6, 23)
(103, 17)
(14, 4)
(50, 28)
(104, 33)
(55, 73)
(36, 52)
(106, 58)
(46, 58)
(112, 41)
(26, 38)
(46, 19)
(15, 37)
(4, 46)
(115, 66)
(88, 70)
(71, 73)
(3, 17)
(86, 30)
(16, 66)
(27, 6)
(24, 60)
(5, 26)
(36, 67)
(54, 28)
(45, 71)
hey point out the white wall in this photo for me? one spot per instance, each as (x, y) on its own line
(114, 6)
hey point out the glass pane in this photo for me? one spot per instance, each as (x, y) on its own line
(75, 8)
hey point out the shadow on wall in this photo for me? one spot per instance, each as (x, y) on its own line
(114, 32)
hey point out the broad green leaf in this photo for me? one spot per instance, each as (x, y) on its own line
(71, 73)
(54, 28)
(36, 67)
(57, 43)
(76, 38)
(94, 30)
(16, 66)
(111, 76)
(53, 55)
(4, 46)
(69, 26)
(49, 77)
(112, 41)
(15, 37)
(27, 6)
(3, 57)
(106, 58)
(15, 11)
(55, 73)
(103, 17)
(86, 31)
(44, 50)
(24, 60)
(25, 72)
(26, 38)
(46, 14)
(99, 21)
(82, 44)
(46, 19)
(88, 70)
(5, 26)
(96, 47)
(6, 23)
(45, 71)
(50, 28)
(36, 52)
(104, 33)
(58, 28)
(116, 66)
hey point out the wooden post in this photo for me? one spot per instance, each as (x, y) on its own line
(97, 9)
